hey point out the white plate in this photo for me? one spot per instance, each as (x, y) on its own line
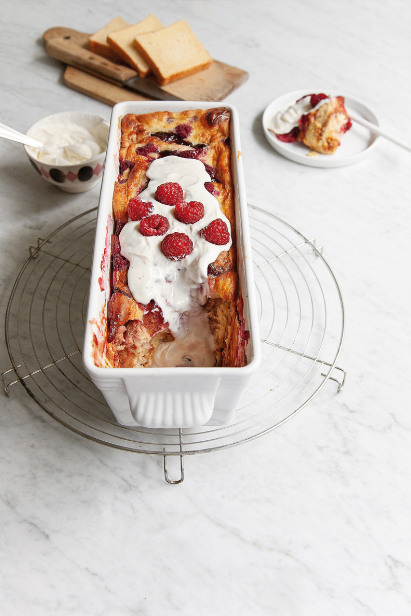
(356, 144)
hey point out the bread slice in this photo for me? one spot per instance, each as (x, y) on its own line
(98, 41)
(173, 52)
(122, 43)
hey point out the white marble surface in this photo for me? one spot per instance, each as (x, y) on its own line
(312, 519)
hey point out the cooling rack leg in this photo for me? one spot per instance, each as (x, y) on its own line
(341, 382)
(166, 475)
(317, 250)
(6, 386)
(34, 250)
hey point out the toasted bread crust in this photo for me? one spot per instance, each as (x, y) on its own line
(122, 43)
(98, 42)
(173, 52)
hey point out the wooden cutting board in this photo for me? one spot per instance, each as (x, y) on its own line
(99, 89)
(212, 84)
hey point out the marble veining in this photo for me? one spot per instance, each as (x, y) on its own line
(313, 518)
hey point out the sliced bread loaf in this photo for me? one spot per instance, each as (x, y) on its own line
(122, 43)
(98, 41)
(173, 52)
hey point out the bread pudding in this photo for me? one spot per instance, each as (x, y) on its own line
(317, 120)
(175, 294)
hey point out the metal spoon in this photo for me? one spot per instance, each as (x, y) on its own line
(9, 133)
(373, 128)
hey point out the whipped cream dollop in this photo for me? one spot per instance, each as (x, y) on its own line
(284, 121)
(68, 142)
(178, 287)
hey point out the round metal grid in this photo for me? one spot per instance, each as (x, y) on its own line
(301, 326)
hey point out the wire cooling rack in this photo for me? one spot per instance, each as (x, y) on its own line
(301, 317)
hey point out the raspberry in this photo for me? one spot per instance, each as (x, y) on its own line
(190, 212)
(183, 130)
(303, 122)
(316, 98)
(138, 209)
(187, 154)
(146, 150)
(169, 193)
(346, 126)
(126, 164)
(154, 225)
(210, 187)
(210, 170)
(119, 226)
(115, 245)
(176, 246)
(289, 137)
(216, 232)
(119, 263)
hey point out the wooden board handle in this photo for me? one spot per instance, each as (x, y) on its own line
(71, 47)
(80, 37)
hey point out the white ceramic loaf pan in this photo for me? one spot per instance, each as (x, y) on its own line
(168, 397)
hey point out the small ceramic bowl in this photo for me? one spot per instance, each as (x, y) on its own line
(70, 177)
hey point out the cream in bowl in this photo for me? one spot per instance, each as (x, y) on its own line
(74, 149)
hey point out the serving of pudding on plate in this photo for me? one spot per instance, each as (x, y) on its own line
(317, 120)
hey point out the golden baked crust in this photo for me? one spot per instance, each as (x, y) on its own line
(134, 330)
(321, 130)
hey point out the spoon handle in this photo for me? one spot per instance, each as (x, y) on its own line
(373, 128)
(9, 133)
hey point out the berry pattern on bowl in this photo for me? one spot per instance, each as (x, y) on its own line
(83, 175)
